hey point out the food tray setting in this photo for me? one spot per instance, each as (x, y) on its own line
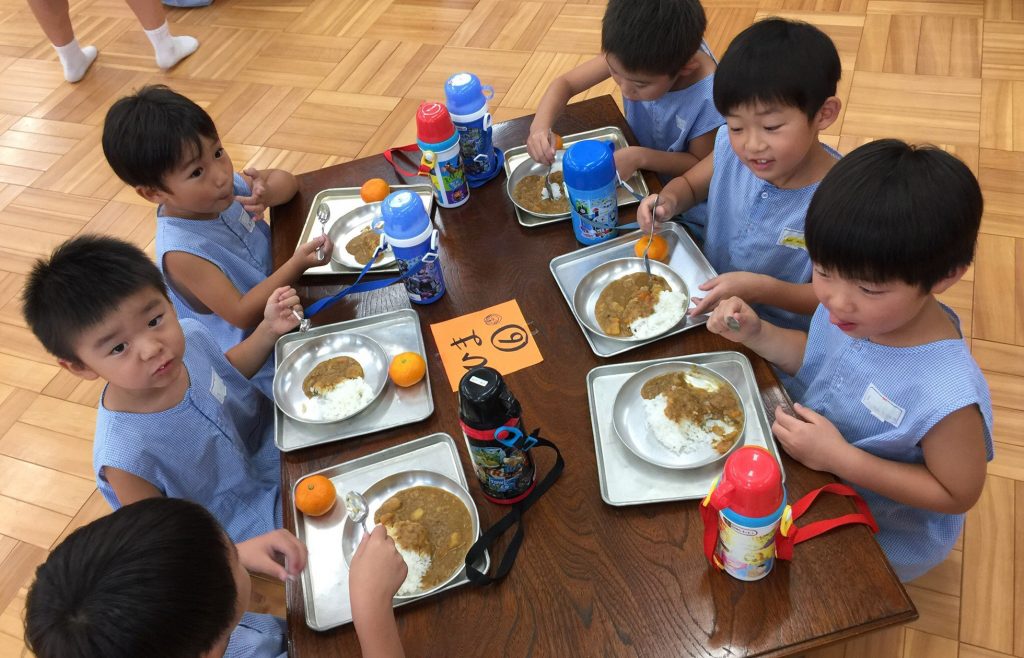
(517, 155)
(325, 580)
(342, 201)
(684, 258)
(625, 478)
(395, 332)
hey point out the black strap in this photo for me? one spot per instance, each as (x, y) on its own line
(515, 516)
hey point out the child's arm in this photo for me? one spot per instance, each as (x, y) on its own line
(129, 488)
(679, 194)
(250, 355)
(950, 480)
(783, 347)
(756, 289)
(669, 163)
(259, 554)
(376, 573)
(207, 288)
(269, 187)
(554, 100)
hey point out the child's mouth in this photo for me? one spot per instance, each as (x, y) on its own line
(843, 326)
(759, 164)
(164, 367)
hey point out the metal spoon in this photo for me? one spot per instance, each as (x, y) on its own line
(650, 239)
(732, 323)
(323, 214)
(304, 322)
(357, 508)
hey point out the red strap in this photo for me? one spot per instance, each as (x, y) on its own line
(790, 536)
(709, 515)
(410, 148)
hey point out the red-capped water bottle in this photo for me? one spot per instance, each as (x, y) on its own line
(750, 499)
(439, 141)
(492, 422)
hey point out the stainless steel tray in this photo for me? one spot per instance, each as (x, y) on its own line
(325, 580)
(395, 331)
(628, 480)
(684, 257)
(341, 200)
(517, 154)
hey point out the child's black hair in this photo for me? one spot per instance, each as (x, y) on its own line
(653, 36)
(790, 63)
(890, 211)
(85, 279)
(147, 135)
(152, 579)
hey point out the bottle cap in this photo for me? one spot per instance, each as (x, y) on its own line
(464, 94)
(754, 482)
(589, 165)
(484, 399)
(433, 123)
(405, 218)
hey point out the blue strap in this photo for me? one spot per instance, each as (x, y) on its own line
(321, 304)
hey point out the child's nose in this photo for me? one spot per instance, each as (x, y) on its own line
(150, 348)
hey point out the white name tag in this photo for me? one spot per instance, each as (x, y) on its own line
(217, 387)
(882, 407)
(792, 239)
(247, 221)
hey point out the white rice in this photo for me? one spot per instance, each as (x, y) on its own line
(685, 437)
(418, 564)
(345, 399)
(668, 311)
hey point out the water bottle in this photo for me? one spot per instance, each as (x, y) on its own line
(750, 500)
(439, 141)
(589, 170)
(413, 239)
(467, 103)
(506, 474)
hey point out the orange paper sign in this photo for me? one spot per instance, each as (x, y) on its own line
(497, 337)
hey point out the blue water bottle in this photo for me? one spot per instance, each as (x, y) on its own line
(466, 99)
(413, 239)
(589, 171)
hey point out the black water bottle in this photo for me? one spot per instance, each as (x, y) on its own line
(506, 473)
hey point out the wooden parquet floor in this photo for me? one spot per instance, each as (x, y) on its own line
(300, 84)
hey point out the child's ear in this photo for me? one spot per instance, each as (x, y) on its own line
(947, 283)
(828, 113)
(151, 194)
(690, 67)
(78, 369)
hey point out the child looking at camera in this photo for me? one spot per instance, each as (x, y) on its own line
(776, 87)
(653, 50)
(890, 399)
(212, 244)
(178, 416)
(160, 578)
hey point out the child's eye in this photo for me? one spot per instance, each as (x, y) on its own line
(196, 173)
(157, 320)
(219, 152)
(772, 128)
(735, 129)
(870, 291)
(821, 273)
(119, 348)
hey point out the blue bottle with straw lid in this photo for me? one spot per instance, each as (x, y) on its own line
(589, 170)
(466, 99)
(414, 241)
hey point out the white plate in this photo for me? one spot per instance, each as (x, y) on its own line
(630, 420)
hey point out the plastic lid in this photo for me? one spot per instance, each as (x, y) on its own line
(433, 123)
(404, 215)
(589, 165)
(484, 399)
(752, 482)
(464, 94)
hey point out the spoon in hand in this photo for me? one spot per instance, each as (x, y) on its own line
(357, 508)
(323, 214)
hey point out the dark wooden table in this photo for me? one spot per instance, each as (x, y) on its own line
(591, 579)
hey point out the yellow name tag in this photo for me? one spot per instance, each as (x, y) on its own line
(793, 239)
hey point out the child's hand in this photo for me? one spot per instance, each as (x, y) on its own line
(258, 554)
(735, 320)
(377, 570)
(281, 310)
(541, 146)
(647, 213)
(305, 254)
(745, 285)
(810, 439)
(627, 161)
(255, 203)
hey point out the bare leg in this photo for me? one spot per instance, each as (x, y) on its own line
(149, 12)
(168, 48)
(54, 18)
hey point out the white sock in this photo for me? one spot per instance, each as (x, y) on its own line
(170, 49)
(75, 59)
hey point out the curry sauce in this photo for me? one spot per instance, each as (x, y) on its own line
(626, 300)
(328, 374)
(363, 245)
(700, 406)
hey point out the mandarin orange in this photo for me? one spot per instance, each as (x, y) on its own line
(374, 189)
(658, 251)
(315, 495)
(407, 368)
